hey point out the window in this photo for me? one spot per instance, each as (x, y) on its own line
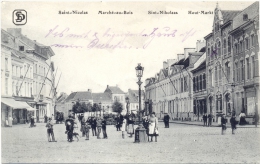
(227, 71)
(245, 17)
(236, 48)
(181, 84)
(21, 48)
(204, 81)
(236, 72)
(225, 46)
(219, 48)
(219, 73)
(197, 83)
(35, 68)
(229, 44)
(216, 74)
(252, 40)
(242, 70)
(247, 68)
(201, 82)
(6, 86)
(241, 46)
(247, 43)
(6, 64)
(13, 71)
(253, 66)
(194, 84)
(210, 78)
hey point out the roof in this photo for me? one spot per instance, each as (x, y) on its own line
(83, 95)
(199, 62)
(114, 90)
(99, 97)
(133, 95)
(165, 72)
(229, 14)
(252, 11)
(71, 96)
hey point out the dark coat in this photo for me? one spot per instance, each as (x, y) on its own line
(204, 117)
(93, 123)
(166, 118)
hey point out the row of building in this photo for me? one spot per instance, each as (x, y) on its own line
(220, 75)
(105, 100)
(27, 78)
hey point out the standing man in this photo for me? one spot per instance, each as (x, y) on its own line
(50, 132)
(130, 122)
(104, 128)
(233, 123)
(93, 124)
(209, 119)
(166, 120)
(223, 123)
(205, 119)
(45, 118)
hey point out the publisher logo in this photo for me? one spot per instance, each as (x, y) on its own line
(19, 17)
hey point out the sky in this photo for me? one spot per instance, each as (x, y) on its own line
(78, 40)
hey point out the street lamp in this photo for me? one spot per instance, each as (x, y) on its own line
(139, 73)
(127, 104)
(100, 108)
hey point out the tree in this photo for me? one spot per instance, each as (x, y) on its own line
(84, 107)
(117, 107)
(95, 108)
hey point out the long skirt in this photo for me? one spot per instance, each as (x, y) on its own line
(151, 129)
(130, 129)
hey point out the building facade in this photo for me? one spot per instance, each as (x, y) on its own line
(232, 64)
(24, 75)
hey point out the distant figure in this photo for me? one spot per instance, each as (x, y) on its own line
(104, 128)
(209, 119)
(123, 128)
(45, 118)
(87, 129)
(204, 119)
(117, 119)
(50, 132)
(166, 120)
(93, 124)
(130, 123)
(233, 123)
(32, 122)
(223, 123)
(242, 118)
(256, 119)
(153, 127)
(10, 121)
(99, 127)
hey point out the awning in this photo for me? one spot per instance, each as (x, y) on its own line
(16, 104)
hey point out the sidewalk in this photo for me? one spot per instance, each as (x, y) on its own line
(214, 124)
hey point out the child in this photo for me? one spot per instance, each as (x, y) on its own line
(87, 129)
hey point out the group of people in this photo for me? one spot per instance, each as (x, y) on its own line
(150, 123)
(207, 119)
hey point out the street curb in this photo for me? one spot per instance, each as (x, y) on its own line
(228, 126)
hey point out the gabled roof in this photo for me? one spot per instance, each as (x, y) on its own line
(83, 95)
(114, 90)
(165, 72)
(133, 95)
(99, 97)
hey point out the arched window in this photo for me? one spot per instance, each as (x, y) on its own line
(219, 49)
(225, 46)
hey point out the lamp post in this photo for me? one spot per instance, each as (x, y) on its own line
(233, 104)
(127, 104)
(139, 73)
(100, 108)
(103, 110)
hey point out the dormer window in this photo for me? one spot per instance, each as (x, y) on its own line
(21, 48)
(245, 17)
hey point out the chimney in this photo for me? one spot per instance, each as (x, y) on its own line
(89, 90)
(107, 86)
(187, 50)
(16, 32)
(200, 44)
(165, 65)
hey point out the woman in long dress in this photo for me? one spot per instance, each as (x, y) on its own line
(153, 127)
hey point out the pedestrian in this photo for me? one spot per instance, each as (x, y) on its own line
(166, 120)
(123, 128)
(52, 117)
(233, 123)
(10, 121)
(256, 118)
(99, 127)
(242, 117)
(32, 122)
(223, 123)
(153, 127)
(45, 118)
(104, 128)
(118, 123)
(93, 123)
(130, 123)
(209, 119)
(69, 123)
(204, 119)
(87, 129)
(50, 132)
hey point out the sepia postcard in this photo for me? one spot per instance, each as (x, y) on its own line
(130, 82)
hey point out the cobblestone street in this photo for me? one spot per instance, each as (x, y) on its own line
(178, 144)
